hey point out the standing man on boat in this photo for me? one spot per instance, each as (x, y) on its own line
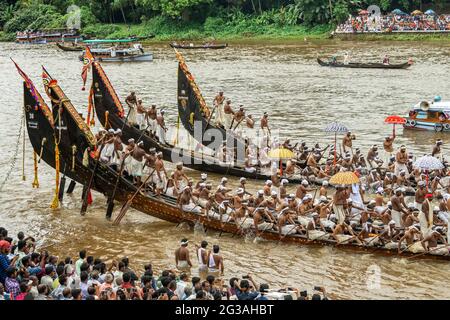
(131, 101)
(401, 160)
(178, 176)
(339, 200)
(182, 260)
(437, 150)
(398, 207)
(137, 157)
(265, 127)
(151, 119)
(162, 129)
(388, 146)
(218, 103)
(228, 114)
(140, 117)
(160, 176)
(347, 142)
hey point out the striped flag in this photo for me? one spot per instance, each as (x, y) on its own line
(28, 82)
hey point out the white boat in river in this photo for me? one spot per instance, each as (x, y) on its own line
(429, 115)
(122, 50)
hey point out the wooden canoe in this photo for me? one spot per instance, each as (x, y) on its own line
(405, 65)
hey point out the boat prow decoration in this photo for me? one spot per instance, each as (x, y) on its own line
(196, 116)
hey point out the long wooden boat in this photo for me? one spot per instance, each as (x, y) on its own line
(164, 208)
(110, 113)
(72, 48)
(405, 65)
(198, 47)
(196, 116)
(120, 50)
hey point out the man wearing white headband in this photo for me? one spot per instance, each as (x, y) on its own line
(181, 180)
(282, 192)
(388, 146)
(161, 127)
(419, 197)
(107, 153)
(160, 175)
(430, 242)
(339, 201)
(186, 201)
(267, 188)
(303, 189)
(137, 162)
(182, 259)
(412, 238)
(151, 119)
(398, 207)
(401, 161)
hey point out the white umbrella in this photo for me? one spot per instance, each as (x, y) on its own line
(428, 163)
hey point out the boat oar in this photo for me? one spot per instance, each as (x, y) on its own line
(408, 247)
(110, 208)
(127, 204)
(84, 204)
(71, 187)
(424, 253)
(62, 185)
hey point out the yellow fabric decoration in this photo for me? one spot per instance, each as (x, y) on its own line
(55, 202)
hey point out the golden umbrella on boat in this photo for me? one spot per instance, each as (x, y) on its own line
(281, 153)
(344, 178)
(416, 13)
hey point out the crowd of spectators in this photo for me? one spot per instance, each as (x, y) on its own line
(395, 23)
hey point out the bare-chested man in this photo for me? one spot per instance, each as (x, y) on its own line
(421, 192)
(398, 207)
(161, 127)
(160, 174)
(152, 113)
(437, 149)
(186, 201)
(265, 127)
(401, 160)
(228, 114)
(371, 157)
(249, 122)
(238, 118)
(181, 180)
(140, 116)
(339, 201)
(302, 189)
(218, 103)
(182, 260)
(388, 146)
(347, 142)
(131, 101)
(137, 165)
(430, 242)
(412, 237)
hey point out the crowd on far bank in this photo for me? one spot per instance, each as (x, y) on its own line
(26, 274)
(365, 23)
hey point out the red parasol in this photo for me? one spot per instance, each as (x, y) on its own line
(394, 120)
(363, 12)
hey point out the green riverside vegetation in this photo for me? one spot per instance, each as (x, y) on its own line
(197, 19)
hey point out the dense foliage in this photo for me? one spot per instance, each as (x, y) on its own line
(107, 17)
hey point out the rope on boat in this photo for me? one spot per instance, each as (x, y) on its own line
(35, 183)
(14, 157)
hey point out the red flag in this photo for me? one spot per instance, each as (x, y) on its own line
(88, 59)
(28, 82)
(89, 199)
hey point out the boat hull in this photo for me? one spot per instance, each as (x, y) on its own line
(416, 124)
(405, 65)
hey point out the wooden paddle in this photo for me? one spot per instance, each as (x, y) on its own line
(110, 208)
(62, 185)
(127, 204)
(84, 204)
(424, 253)
(71, 187)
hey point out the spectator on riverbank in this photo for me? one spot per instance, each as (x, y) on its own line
(41, 276)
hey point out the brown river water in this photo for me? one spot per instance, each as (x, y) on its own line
(301, 98)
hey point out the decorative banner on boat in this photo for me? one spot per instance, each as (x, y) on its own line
(59, 98)
(183, 67)
(88, 59)
(102, 80)
(40, 103)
